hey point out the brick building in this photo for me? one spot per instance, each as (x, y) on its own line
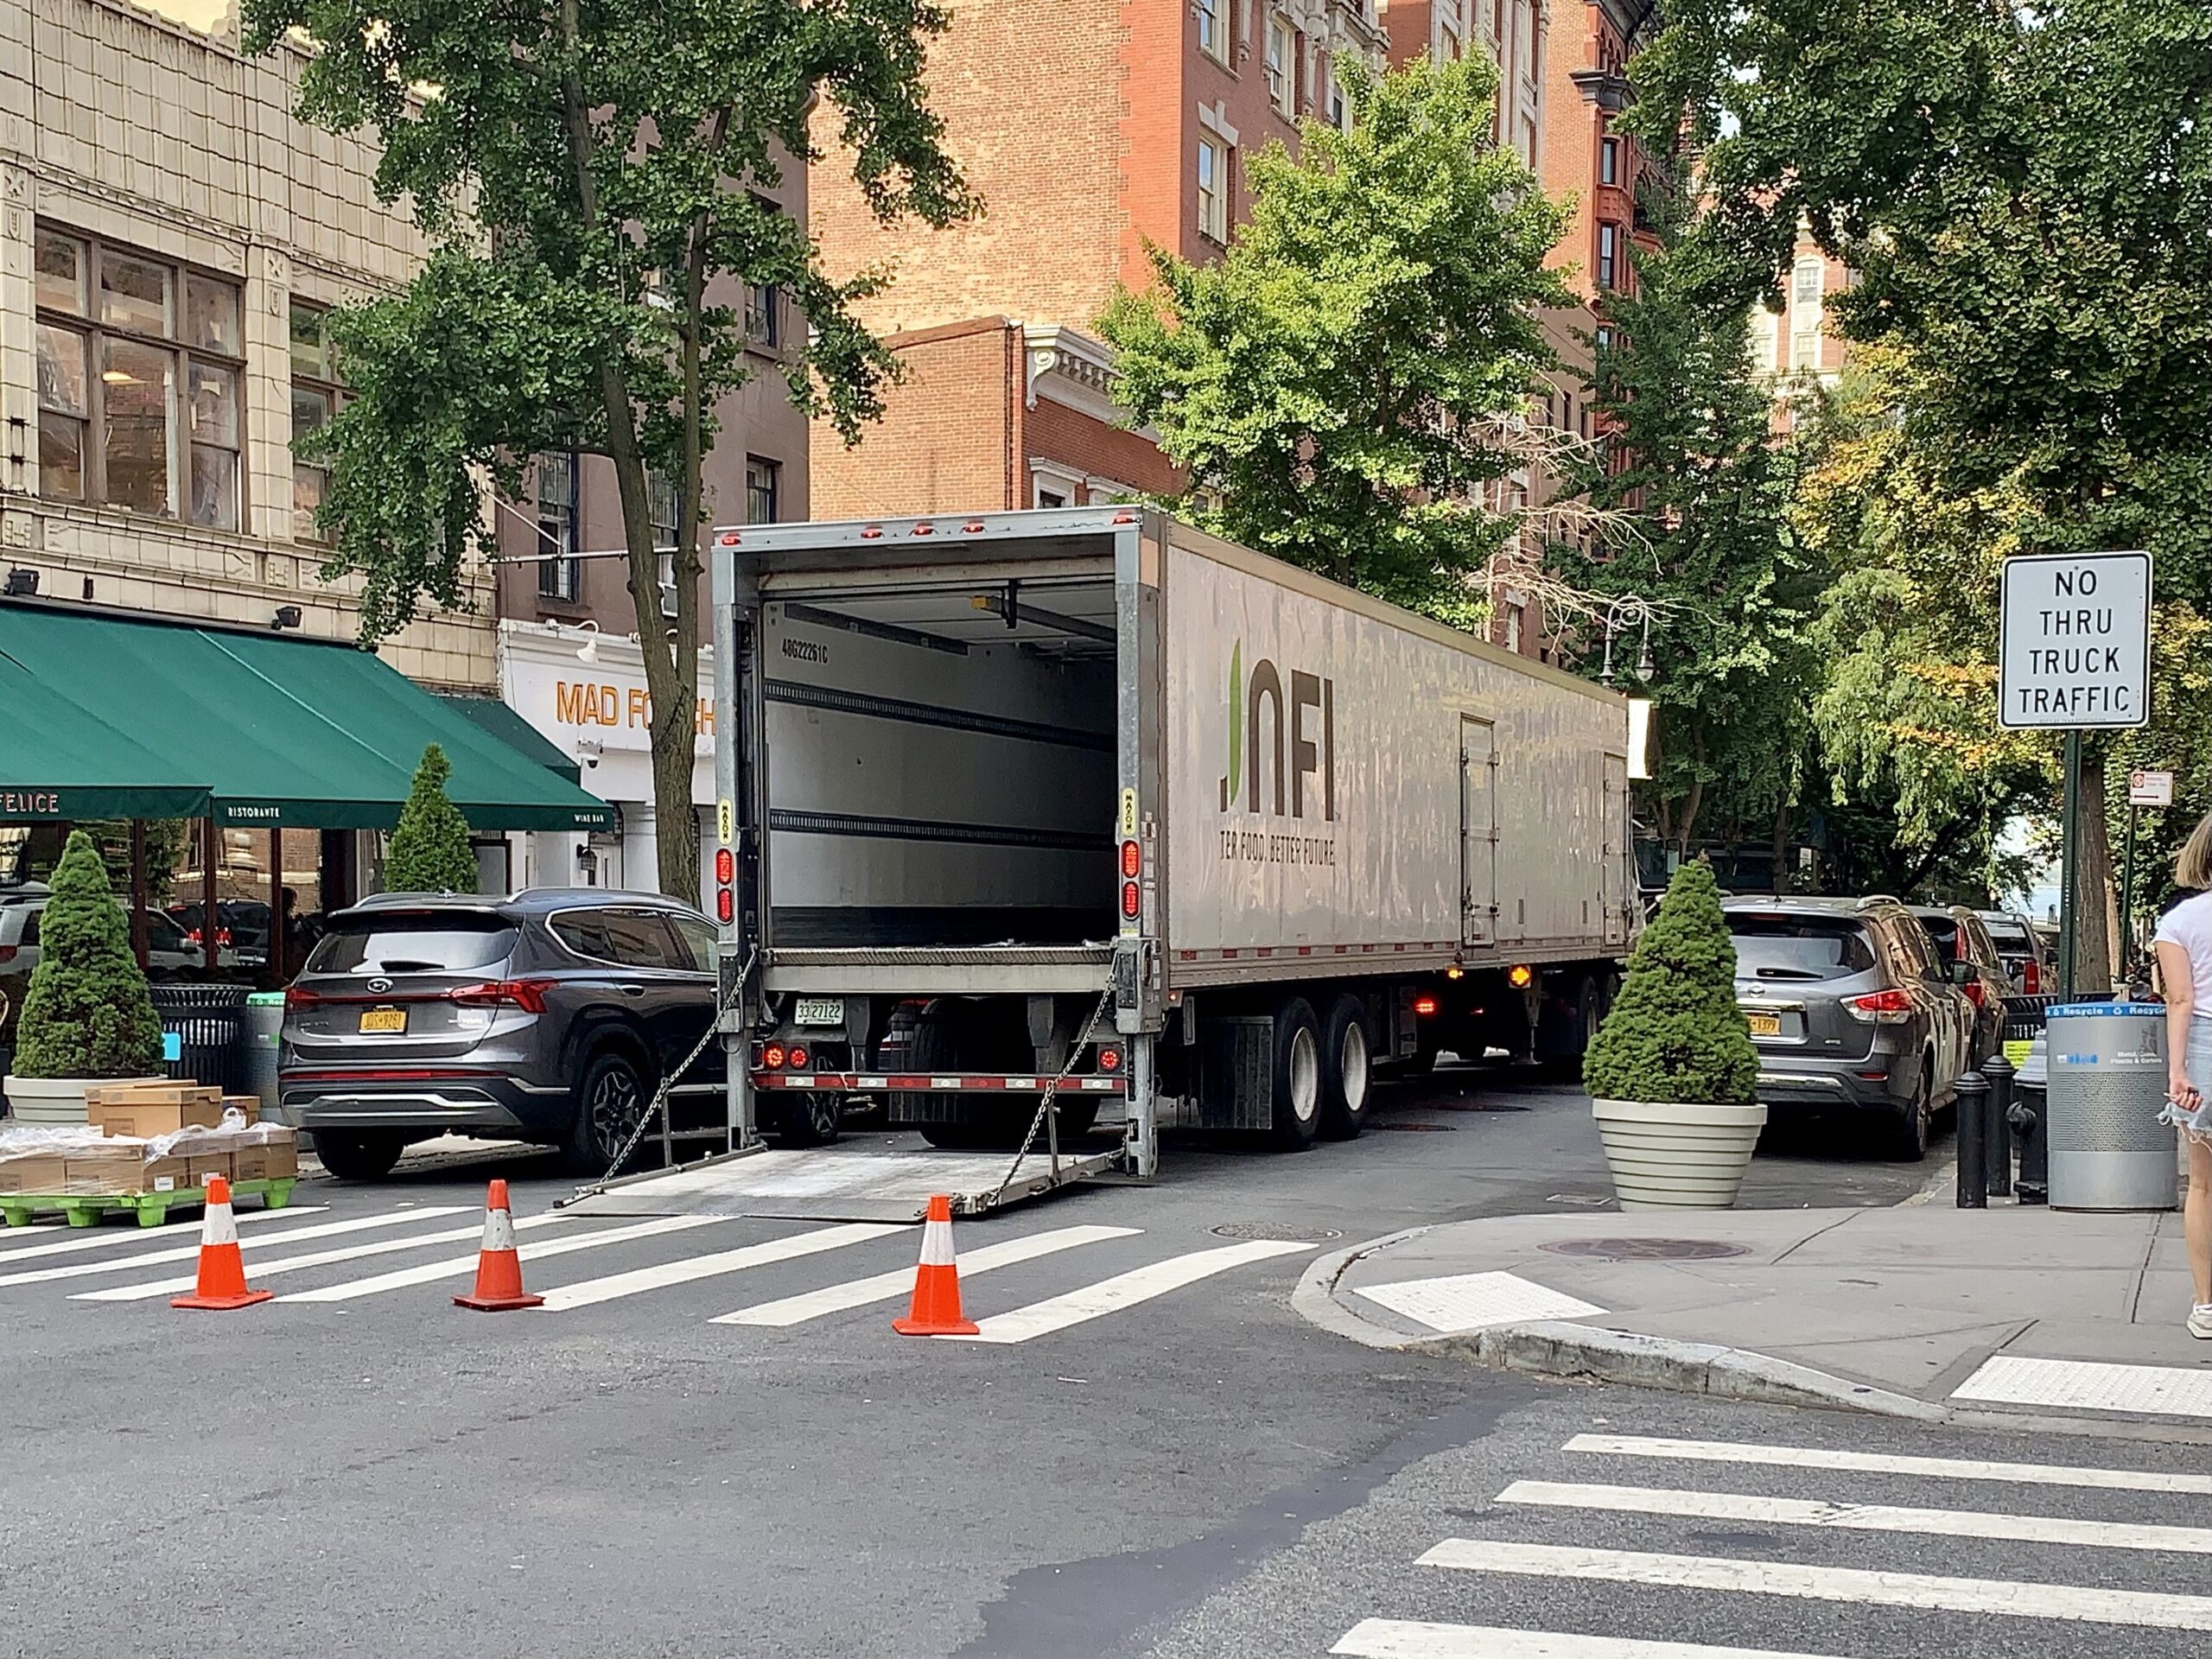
(1793, 342)
(1587, 159)
(1091, 129)
(169, 237)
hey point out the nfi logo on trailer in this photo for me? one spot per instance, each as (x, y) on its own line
(1295, 776)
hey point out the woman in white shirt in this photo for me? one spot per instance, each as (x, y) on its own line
(2184, 947)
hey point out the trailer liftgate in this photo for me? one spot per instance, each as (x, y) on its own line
(867, 1176)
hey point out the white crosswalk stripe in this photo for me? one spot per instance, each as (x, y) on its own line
(102, 1238)
(454, 1267)
(1123, 1290)
(249, 1243)
(889, 1286)
(1404, 1639)
(259, 1269)
(2147, 1609)
(639, 1280)
(1861, 1517)
(1884, 1463)
(2085, 1595)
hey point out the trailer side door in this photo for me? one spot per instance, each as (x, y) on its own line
(1613, 878)
(1478, 832)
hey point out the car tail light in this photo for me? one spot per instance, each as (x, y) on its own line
(2031, 978)
(222, 936)
(298, 997)
(1109, 1059)
(528, 994)
(1880, 1007)
(797, 1057)
(1424, 1006)
(7, 952)
(773, 1057)
(1974, 993)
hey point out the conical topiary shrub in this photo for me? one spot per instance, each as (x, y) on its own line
(1673, 1074)
(429, 848)
(87, 1014)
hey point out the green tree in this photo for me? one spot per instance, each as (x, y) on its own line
(1696, 493)
(1333, 386)
(2022, 191)
(87, 1013)
(429, 850)
(588, 176)
(1674, 1033)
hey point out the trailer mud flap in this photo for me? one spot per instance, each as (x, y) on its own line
(1236, 1072)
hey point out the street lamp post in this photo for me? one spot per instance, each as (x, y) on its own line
(1634, 609)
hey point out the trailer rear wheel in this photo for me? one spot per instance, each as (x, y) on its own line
(1347, 1069)
(1297, 1080)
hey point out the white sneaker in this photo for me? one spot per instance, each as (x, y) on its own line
(2200, 1320)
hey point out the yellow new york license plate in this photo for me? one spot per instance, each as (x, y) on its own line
(383, 1019)
(1762, 1025)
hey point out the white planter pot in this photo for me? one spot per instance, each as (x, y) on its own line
(1671, 1156)
(56, 1100)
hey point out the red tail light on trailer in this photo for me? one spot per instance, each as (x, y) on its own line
(1132, 900)
(1424, 1006)
(797, 1057)
(1132, 860)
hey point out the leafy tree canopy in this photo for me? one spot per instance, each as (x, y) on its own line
(1332, 384)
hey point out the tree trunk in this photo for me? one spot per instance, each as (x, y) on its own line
(2095, 924)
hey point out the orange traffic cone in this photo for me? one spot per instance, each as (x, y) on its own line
(936, 1310)
(222, 1270)
(498, 1269)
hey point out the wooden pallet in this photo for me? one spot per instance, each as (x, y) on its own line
(152, 1209)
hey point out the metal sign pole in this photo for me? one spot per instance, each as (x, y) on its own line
(2127, 897)
(2070, 853)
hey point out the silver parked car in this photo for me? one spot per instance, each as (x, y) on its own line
(1852, 1011)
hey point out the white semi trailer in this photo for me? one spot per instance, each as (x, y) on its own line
(1010, 795)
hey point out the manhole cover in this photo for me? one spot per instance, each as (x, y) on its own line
(1418, 1128)
(1646, 1250)
(1276, 1234)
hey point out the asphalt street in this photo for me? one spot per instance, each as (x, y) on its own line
(358, 1467)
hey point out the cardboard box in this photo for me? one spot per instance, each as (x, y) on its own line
(274, 1160)
(247, 1106)
(203, 1164)
(162, 1093)
(164, 1175)
(41, 1173)
(142, 1120)
(121, 1169)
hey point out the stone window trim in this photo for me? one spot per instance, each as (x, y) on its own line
(82, 412)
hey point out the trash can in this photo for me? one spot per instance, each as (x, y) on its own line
(265, 1024)
(2107, 1084)
(209, 1021)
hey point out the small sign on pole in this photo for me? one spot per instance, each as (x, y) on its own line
(2074, 654)
(2150, 789)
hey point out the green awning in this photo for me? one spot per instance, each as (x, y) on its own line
(114, 715)
(514, 731)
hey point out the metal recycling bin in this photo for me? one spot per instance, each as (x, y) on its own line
(265, 1024)
(2107, 1084)
(209, 1024)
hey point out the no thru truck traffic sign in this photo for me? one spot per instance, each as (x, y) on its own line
(2075, 648)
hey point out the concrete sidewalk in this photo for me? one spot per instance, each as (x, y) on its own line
(1918, 1310)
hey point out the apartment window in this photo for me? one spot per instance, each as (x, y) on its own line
(1213, 189)
(1528, 139)
(1805, 349)
(1340, 108)
(763, 490)
(1213, 27)
(1515, 622)
(1608, 255)
(1609, 161)
(316, 396)
(558, 578)
(662, 506)
(141, 377)
(1051, 498)
(764, 301)
(1805, 284)
(1283, 66)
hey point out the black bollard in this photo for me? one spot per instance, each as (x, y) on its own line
(1974, 1139)
(1998, 1071)
(2028, 1122)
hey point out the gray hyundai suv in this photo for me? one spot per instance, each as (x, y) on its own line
(549, 1017)
(1851, 1010)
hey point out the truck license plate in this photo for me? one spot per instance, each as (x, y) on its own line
(820, 1011)
(1763, 1025)
(386, 1020)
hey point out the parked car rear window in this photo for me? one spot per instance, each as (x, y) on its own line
(412, 944)
(2010, 936)
(1799, 947)
(1944, 931)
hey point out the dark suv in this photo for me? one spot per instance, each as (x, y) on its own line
(549, 1017)
(1971, 957)
(1851, 1010)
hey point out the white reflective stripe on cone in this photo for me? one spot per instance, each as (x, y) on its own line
(499, 1230)
(936, 1244)
(222, 1227)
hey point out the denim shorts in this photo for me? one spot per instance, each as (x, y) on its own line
(2196, 1061)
